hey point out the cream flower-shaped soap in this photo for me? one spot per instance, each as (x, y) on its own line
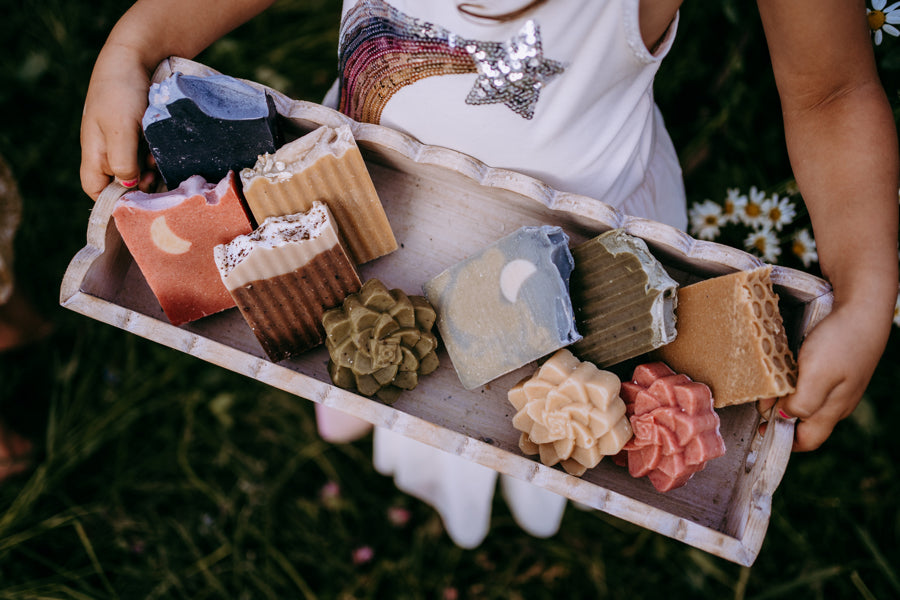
(570, 412)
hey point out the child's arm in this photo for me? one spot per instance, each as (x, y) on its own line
(842, 143)
(150, 31)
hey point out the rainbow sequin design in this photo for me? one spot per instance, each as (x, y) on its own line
(383, 49)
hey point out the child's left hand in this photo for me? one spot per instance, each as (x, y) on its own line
(836, 362)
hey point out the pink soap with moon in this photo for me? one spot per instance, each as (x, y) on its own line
(171, 236)
(676, 430)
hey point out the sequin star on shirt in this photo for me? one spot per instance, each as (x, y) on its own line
(512, 72)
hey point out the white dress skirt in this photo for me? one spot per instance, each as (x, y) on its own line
(587, 124)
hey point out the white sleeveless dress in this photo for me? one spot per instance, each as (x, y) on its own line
(563, 94)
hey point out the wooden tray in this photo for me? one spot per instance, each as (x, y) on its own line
(444, 205)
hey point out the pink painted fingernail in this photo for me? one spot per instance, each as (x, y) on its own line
(130, 183)
(784, 415)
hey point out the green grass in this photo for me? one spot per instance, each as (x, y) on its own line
(161, 476)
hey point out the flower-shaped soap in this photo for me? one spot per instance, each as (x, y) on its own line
(676, 430)
(380, 341)
(570, 412)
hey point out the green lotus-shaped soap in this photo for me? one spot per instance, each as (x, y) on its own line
(380, 341)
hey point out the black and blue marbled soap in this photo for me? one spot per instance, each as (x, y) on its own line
(208, 126)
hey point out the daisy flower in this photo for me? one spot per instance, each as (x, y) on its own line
(778, 211)
(706, 218)
(752, 213)
(765, 243)
(804, 247)
(882, 19)
(735, 202)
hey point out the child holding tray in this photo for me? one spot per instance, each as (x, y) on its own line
(562, 90)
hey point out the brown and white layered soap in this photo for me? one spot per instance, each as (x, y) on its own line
(623, 297)
(326, 166)
(731, 337)
(285, 275)
(171, 236)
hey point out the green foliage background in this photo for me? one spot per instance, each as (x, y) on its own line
(160, 476)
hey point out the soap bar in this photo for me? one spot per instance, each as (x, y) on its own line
(285, 275)
(380, 341)
(171, 236)
(207, 126)
(507, 305)
(324, 165)
(731, 337)
(676, 430)
(570, 412)
(624, 299)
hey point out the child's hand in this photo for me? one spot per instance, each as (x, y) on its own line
(111, 124)
(836, 362)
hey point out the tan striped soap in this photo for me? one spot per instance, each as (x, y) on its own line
(326, 166)
(624, 300)
(731, 337)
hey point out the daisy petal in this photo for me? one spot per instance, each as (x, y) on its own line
(878, 4)
(890, 29)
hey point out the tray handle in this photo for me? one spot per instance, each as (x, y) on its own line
(103, 242)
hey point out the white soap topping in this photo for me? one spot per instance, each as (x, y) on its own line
(275, 232)
(298, 155)
(190, 187)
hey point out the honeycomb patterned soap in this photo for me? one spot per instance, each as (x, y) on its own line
(380, 341)
(570, 413)
(171, 236)
(285, 275)
(324, 165)
(731, 337)
(676, 430)
(624, 299)
(506, 305)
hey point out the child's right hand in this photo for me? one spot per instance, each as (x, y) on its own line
(111, 124)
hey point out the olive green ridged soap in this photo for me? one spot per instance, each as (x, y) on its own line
(623, 298)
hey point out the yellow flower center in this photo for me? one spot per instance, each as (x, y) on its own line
(775, 214)
(798, 247)
(760, 244)
(753, 210)
(876, 20)
(728, 208)
(711, 220)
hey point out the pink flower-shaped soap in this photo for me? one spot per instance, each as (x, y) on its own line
(676, 430)
(570, 412)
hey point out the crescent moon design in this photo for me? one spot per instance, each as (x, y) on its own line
(166, 239)
(513, 275)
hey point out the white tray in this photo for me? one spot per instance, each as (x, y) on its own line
(442, 206)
